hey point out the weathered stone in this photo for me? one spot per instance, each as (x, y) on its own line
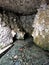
(26, 22)
(5, 35)
(41, 27)
(17, 35)
(21, 6)
(20, 35)
(23, 23)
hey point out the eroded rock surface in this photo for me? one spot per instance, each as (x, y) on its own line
(5, 35)
(41, 27)
(25, 55)
(26, 22)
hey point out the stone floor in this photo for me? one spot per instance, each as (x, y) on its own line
(25, 53)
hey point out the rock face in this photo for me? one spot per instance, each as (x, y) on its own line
(41, 27)
(21, 6)
(26, 23)
(11, 21)
(5, 35)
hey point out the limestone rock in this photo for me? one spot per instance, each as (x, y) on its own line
(41, 27)
(5, 35)
(26, 22)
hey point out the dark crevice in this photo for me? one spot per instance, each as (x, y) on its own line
(16, 13)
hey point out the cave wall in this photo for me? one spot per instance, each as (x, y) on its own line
(21, 6)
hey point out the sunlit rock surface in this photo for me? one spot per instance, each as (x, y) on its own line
(5, 35)
(41, 27)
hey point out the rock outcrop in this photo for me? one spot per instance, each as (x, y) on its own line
(5, 35)
(21, 24)
(41, 27)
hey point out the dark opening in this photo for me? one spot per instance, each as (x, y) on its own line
(27, 35)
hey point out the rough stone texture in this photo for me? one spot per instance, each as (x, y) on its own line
(21, 23)
(32, 55)
(26, 22)
(21, 6)
(41, 27)
(11, 22)
(5, 35)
